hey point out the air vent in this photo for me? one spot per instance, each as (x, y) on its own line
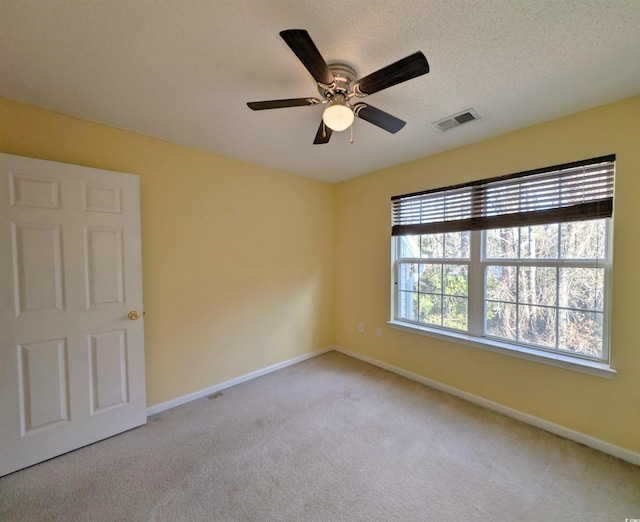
(456, 120)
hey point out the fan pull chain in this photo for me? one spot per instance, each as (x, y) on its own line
(324, 130)
(351, 140)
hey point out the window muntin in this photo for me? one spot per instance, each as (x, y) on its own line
(523, 259)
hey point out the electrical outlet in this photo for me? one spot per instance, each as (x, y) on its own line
(378, 331)
(361, 327)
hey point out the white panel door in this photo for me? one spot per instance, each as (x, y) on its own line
(71, 347)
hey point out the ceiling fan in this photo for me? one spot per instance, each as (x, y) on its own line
(341, 90)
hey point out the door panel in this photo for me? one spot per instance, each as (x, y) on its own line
(30, 191)
(103, 256)
(108, 363)
(44, 391)
(71, 361)
(37, 267)
(102, 198)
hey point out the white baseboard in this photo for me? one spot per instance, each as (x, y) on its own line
(587, 440)
(233, 382)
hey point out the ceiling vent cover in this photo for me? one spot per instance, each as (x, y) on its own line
(456, 120)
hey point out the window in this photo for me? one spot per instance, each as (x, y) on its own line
(520, 261)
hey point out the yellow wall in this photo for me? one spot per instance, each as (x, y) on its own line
(237, 259)
(231, 286)
(605, 409)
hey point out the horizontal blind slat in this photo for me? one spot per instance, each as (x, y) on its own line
(593, 210)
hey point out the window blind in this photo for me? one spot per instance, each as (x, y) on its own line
(570, 192)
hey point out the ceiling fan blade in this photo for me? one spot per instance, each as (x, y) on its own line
(280, 104)
(323, 135)
(302, 45)
(406, 69)
(382, 119)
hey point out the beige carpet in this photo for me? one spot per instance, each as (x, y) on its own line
(328, 439)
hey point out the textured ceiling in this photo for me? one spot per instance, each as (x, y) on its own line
(183, 70)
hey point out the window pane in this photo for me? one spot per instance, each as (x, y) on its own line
(500, 320)
(409, 246)
(408, 305)
(581, 332)
(456, 245)
(500, 283)
(430, 309)
(537, 325)
(537, 285)
(501, 243)
(582, 288)
(432, 246)
(539, 242)
(455, 312)
(431, 278)
(456, 280)
(583, 239)
(408, 276)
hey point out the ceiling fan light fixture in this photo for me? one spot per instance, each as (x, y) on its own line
(338, 116)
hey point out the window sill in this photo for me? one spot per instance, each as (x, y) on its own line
(553, 359)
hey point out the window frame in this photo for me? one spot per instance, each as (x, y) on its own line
(477, 301)
(559, 263)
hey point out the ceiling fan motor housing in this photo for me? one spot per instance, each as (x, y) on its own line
(344, 76)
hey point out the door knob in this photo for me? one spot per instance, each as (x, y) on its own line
(133, 315)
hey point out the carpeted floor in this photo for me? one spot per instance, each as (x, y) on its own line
(329, 439)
